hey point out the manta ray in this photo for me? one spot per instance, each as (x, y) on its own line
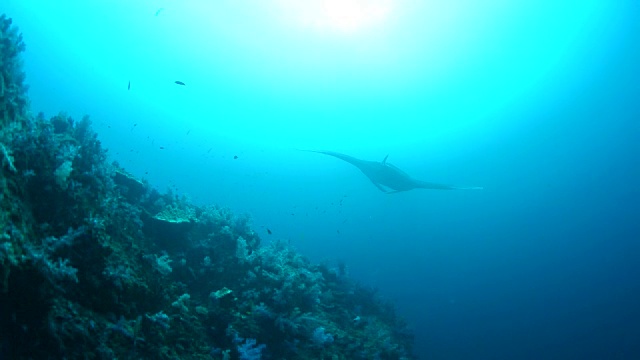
(389, 178)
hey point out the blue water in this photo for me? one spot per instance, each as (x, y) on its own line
(536, 101)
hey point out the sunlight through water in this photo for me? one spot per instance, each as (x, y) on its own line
(339, 16)
(328, 73)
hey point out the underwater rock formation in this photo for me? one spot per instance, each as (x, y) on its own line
(95, 264)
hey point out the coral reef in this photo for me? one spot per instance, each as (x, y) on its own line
(95, 264)
(13, 91)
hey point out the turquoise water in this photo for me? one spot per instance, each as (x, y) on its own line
(535, 101)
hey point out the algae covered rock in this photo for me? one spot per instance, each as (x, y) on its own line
(132, 188)
(171, 226)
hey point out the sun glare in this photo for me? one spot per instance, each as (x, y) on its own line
(342, 16)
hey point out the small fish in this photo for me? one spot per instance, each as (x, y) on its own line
(180, 82)
(161, 147)
(269, 232)
(129, 86)
(159, 11)
(235, 157)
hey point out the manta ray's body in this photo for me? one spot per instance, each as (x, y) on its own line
(387, 177)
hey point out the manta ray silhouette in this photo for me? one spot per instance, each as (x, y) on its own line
(387, 177)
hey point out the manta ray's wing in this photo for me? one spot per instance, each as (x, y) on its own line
(380, 187)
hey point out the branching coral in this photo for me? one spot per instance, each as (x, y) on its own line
(13, 100)
(7, 158)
